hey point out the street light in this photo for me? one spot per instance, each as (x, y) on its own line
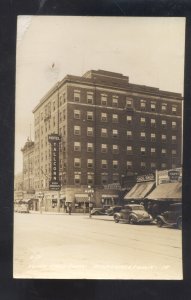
(90, 192)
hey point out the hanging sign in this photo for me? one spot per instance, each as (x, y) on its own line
(54, 183)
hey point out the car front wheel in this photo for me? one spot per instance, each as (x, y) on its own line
(116, 219)
(159, 223)
(132, 220)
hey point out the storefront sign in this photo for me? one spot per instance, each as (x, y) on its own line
(54, 183)
(145, 178)
(173, 175)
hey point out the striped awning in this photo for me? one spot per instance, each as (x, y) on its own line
(110, 196)
(81, 197)
(140, 190)
(166, 191)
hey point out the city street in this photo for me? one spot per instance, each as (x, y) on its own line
(75, 246)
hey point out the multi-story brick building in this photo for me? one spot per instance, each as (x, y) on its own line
(28, 167)
(110, 129)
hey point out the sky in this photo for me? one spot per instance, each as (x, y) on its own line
(150, 50)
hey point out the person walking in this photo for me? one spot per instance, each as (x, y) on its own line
(69, 208)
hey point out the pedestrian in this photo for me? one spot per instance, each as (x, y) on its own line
(70, 208)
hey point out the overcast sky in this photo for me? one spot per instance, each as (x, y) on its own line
(148, 50)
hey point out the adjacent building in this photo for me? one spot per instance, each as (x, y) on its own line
(111, 130)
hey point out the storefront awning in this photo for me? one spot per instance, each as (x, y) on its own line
(140, 190)
(167, 191)
(81, 197)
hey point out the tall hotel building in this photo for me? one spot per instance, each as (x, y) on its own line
(110, 129)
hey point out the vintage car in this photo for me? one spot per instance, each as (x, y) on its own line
(98, 211)
(113, 209)
(133, 214)
(172, 217)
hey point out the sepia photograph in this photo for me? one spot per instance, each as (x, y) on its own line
(98, 147)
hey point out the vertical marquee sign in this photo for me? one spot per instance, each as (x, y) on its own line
(54, 183)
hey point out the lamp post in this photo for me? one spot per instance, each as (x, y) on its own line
(90, 192)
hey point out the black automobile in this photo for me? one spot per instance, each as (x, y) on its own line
(113, 209)
(172, 217)
(133, 214)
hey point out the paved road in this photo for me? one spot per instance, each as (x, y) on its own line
(63, 246)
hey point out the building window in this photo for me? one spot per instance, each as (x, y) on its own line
(129, 135)
(104, 178)
(77, 178)
(129, 120)
(104, 117)
(115, 101)
(104, 132)
(153, 123)
(104, 164)
(77, 114)
(90, 98)
(115, 164)
(89, 131)
(174, 139)
(174, 109)
(115, 149)
(163, 152)
(174, 125)
(143, 121)
(54, 122)
(90, 163)
(115, 133)
(163, 166)
(143, 165)
(104, 100)
(143, 136)
(173, 166)
(129, 165)
(164, 107)
(77, 146)
(153, 166)
(153, 106)
(173, 152)
(104, 148)
(89, 147)
(54, 106)
(60, 98)
(77, 162)
(115, 118)
(90, 179)
(143, 104)
(129, 103)
(164, 124)
(153, 137)
(90, 115)
(143, 150)
(129, 150)
(115, 178)
(153, 151)
(77, 130)
(77, 96)
(163, 137)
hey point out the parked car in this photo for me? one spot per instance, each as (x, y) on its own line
(113, 209)
(133, 214)
(172, 217)
(98, 211)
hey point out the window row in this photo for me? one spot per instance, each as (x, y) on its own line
(129, 102)
(115, 119)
